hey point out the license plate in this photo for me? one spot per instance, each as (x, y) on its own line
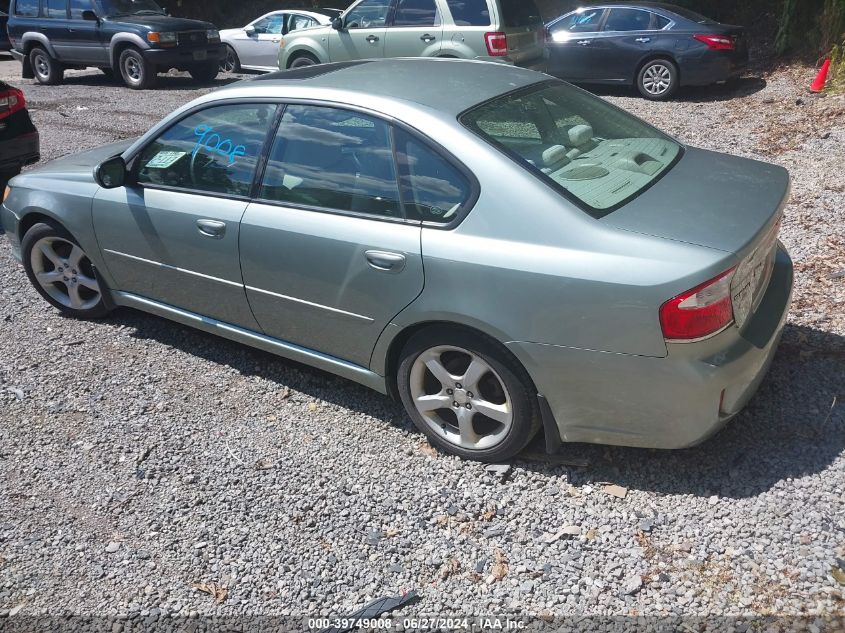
(200, 56)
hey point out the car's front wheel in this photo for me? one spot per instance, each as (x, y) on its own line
(205, 72)
(468, 394)
(47, 71)
(658, 79)
(231, 63)
(62, 272)
(304, 59)
(136, 71)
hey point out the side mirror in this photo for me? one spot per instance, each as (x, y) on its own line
(337, 23)
(111, 173)
(90, 16)
(249, 30)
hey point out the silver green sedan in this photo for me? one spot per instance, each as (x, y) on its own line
(503, 252)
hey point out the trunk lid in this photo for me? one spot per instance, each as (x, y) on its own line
(710, 199)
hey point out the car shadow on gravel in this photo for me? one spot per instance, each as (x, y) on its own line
(734, 89)
(793, 427)
(164, 82)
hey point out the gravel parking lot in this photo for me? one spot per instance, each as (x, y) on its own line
(138, 457)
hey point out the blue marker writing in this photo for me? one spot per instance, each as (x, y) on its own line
(213, 142)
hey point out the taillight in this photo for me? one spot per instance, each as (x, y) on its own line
(717, 42)
(700, 312)
(497, 44)
(10, 102)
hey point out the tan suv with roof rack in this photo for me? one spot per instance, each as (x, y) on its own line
(509, 31)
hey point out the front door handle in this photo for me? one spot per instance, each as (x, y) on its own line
(427, 38)
(583, 42)
(386, 262)
(211, 228)
(372, 39)
(643, 40)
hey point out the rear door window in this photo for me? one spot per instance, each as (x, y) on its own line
(520, 13)
(627, 20)
(433, 188)
(661, 22)
(26, 8)
(333, 159)
(416, 13)
(55, 9)
(296, 22)
(215, 150)
(469, 12)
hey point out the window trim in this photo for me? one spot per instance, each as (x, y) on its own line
(593, 212)
(133, 164)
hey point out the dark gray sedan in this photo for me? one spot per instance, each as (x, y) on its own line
(501, 251)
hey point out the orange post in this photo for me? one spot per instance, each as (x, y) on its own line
(821, 78)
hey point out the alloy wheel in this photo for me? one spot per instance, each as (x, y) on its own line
(132, 68)
(229, 63)
(657, 79)
(461, 397)
(41, 66)
(64, 272)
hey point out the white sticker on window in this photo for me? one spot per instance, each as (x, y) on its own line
(163, 160)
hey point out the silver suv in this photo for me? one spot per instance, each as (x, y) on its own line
(509, 31)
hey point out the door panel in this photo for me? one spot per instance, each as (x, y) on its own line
(570, 49)
(417, 30)
(313, 279)
(363, 34)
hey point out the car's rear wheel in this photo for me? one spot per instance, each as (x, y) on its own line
(305, 59)
(467, 393)
(47, 71)
(231, 63)
(136, 71)
(205, 72)
(658, 79)
(62, 273)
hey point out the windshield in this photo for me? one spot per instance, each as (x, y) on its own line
(130, 7)
(592, 151)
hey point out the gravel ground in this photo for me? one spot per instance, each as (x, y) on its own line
(138, 457)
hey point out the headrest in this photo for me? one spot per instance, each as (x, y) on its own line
(554, 155)
(580, 134)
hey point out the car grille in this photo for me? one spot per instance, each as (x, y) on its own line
(191, 38)
(752, 277)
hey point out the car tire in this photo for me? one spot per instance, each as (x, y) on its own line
(231, 63)
(304, 59)
(61, 272)
(658, 79)
(45, 69)
(477, 376)
(137, 72)
(205, 73)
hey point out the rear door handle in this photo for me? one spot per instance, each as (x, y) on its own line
(427, 38)
(385, 262)
(583, 42)
(372, 39)
(643, 40)
(211, 228)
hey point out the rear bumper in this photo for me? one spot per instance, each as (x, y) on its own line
(537, 63)
(185, 57)
(671, 402)
(712, 67)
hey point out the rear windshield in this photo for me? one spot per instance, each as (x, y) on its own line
(691, 15)
(593, 152)
(469, 12)
(517, 13)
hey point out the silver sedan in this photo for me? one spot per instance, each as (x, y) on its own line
(256, 45)
(499, 250)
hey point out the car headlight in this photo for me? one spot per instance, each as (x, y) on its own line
(213, 35)
(162, 39)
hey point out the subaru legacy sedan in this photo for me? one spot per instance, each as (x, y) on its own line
(499, 250)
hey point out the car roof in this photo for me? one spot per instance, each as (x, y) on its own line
(450, 86)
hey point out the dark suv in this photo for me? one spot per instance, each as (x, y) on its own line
(135, 38)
